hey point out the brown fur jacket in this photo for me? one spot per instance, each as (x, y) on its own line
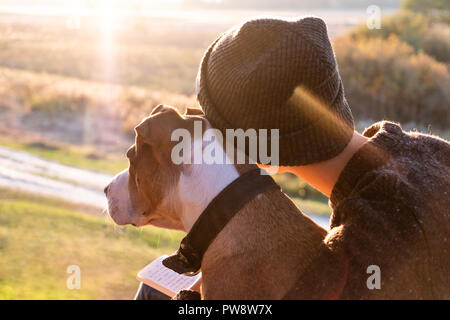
(391, 208)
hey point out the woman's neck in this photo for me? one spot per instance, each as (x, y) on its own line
(324, 175)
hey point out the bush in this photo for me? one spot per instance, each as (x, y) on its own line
(438, 10)
(425, 5)
(408, 26)
(385, 79)
(416, 29)
(436, 43)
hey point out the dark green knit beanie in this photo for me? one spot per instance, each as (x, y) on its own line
(278, 74)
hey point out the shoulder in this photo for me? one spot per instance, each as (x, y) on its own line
(390, 205)
(392, 157)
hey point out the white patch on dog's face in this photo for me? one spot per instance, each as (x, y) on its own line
(199, 184)
(119, 204)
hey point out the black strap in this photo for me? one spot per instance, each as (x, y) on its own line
(187, 260)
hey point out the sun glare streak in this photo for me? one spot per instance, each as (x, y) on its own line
(108, 25)
(302, 96)
(107, 64)
(108, 15)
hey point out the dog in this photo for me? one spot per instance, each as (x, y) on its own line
(258, 254)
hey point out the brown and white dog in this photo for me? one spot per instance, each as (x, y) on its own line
(261, 251)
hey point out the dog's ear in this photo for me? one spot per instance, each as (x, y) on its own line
(159, 108)
(156, 128)
(194, 112)
(156, 131)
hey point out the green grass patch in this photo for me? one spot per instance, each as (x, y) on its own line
(71, 156)
(41, 237)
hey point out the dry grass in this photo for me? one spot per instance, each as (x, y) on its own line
(74, 111)
(156, 55)
(26, 91)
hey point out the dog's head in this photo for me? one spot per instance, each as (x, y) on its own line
(147, 192)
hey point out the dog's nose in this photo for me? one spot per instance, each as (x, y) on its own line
(106, 189)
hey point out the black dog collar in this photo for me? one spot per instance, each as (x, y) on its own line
(188, 259)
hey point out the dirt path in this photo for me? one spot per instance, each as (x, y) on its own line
(22, 171)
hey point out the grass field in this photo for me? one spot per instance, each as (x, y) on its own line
(153, 55)
(40, 237)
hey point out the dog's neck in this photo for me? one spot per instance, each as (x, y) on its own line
(199, 184)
